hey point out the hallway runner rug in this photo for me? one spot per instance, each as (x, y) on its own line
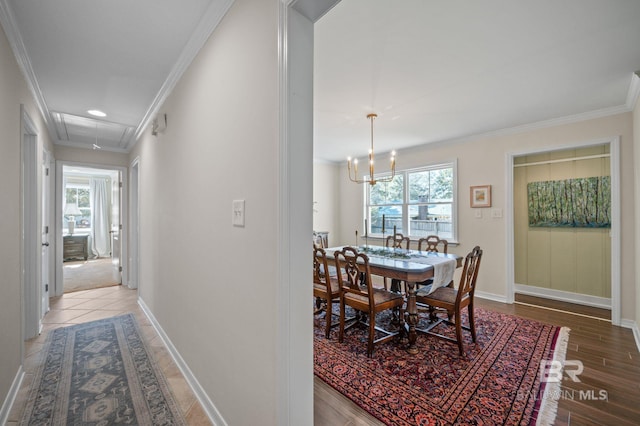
(497, 382)
(99, 373)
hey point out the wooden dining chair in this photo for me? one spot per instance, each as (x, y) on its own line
(326, 289)
(318, 241)
(357, 291)
(396, 241)
(455, 300)
(433, 243)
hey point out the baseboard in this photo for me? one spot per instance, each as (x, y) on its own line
(627, 323)
(490, 296)
(208, 406)
(564, 296)
(11, 396)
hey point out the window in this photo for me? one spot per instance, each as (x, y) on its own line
(416, 203)
(79, 194)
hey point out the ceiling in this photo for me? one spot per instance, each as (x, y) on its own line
(441, 71)
(121, 57)
(434, 71)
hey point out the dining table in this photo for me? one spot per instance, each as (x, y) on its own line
(412, 267)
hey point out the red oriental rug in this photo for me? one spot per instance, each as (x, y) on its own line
(497, 382)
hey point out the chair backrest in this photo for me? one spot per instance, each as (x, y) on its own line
(321, 268)
(432, 242)
(395, 241)
(318, 241)
(354, 266)
(469, 276)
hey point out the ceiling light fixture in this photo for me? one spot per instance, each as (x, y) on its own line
(97, 113)
(370, 179)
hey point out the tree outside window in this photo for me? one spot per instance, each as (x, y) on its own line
(79, 196)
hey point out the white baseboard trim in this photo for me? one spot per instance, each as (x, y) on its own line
(208, 406)
(627, 323)
(564, 296)
(11, 396)
(490, 296)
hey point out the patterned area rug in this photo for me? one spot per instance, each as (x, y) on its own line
(99, 373)
(497, 382)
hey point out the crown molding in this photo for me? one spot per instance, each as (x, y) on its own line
(209, 22)
(90, 147)
(570, 119)
(8, 22)
(634, 91)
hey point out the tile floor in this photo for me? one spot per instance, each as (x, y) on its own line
(84, 306)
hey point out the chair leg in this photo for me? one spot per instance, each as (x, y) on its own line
(327, 317)
(372, 332)
(459, 331)
(342, 314)
(472, 322)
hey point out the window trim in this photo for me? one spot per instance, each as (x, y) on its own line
(405, 202)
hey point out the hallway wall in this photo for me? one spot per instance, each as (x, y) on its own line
(213, 286)
(13, 92)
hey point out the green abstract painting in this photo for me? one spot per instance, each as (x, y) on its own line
(576, 203)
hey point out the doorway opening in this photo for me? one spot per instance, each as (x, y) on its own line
(565, 229)
(90, 224)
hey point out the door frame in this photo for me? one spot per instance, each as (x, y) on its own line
(48, 203)
(30, 255)
(59, 282)
(134, 224)
(294, 369)
(614, 163)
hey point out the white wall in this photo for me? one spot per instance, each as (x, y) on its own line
(325, 197)
(13, 92)
(212, 286)
(483, 161)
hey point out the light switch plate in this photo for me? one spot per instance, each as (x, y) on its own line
(496, 213)
(478, 214)
(238, 213)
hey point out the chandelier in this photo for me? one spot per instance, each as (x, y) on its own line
(353, 165)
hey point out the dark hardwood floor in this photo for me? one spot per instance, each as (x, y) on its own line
(608, 353)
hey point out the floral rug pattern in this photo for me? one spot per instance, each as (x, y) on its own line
(99, 373)
(496, 382)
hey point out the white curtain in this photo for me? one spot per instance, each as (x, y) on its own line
(100, 218)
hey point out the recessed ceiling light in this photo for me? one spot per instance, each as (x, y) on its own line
(97, 113)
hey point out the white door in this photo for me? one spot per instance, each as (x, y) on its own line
(46, 228)
(116, 227)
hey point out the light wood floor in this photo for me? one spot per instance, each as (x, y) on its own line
(609, 354)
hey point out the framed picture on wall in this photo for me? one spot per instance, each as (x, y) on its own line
(481, 196)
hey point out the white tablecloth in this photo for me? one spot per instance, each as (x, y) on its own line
(443, 269)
